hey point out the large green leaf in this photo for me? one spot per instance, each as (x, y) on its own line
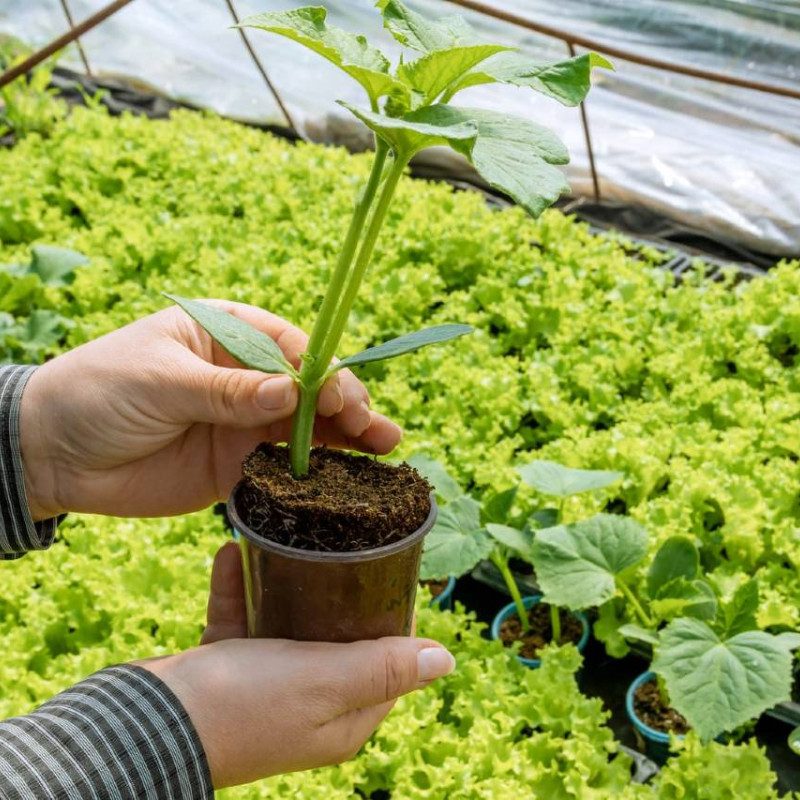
(519, 541)
(576, 565)
(427, 127)
(404, 344)
(55, 265)
(681, 597)
(676, 558)
(433, 471)
(719, 684)
(567, 81)
(431, 74)
(556, 480)
(348, 51)
(457, 542)
(420, 33)
(251, 347)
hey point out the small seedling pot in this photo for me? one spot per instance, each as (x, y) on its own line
(328, 596)
(444, 600)
(656, 743)
(529, 602)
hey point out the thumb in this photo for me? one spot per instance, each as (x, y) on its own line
(382, 670)
(239, 398)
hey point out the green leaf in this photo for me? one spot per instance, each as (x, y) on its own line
(251, 347)
(638, 633)
(576, 564)
(567, 81)
(498, 507)
(404, 344)
(427, 127)
(420, 33)
(431, 74)
(447, 488)
(788, 639)
(519, 541)
(543, 518)
(348, 51)
(739, 614)
(555, 480)
(676, 558)
(55, 265)
(794, 741)
(610, 621)
(685, 598)
(457, 541)
(719, 684)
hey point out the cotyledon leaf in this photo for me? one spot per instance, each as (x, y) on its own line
(556, 480)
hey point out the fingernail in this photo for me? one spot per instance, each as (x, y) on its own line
(275, 393)
(434, 662)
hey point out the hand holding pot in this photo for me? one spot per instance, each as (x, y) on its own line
(155, 418)
(267, 706)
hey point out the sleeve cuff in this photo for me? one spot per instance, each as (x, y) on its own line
(18, 532)
(121, 733)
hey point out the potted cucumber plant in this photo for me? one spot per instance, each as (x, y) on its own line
(331, 541)
(712, 669)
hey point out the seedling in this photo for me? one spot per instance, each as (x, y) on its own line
(409, 111)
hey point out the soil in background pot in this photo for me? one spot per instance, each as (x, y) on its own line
(650, 709)
(539, 631)
(435, 587)
(346, 503)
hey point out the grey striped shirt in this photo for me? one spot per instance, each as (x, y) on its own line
(119, 734)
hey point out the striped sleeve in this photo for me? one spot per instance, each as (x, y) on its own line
(18, 532)
(119, 735)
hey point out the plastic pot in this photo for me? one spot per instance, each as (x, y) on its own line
(324, 596)
(529, 602)
(444, 600)
(656, 743)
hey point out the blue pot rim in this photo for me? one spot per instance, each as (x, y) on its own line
(529, 601)
(649, 733)
(445, 594)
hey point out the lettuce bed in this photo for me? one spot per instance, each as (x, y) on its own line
(585, 352)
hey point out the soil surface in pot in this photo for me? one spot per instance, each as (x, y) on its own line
(539, 631)
(435, 587)
(345, 503)
(650, 709)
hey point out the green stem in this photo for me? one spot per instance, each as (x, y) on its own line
(555, 623)
(314, 365)
(502, 564)
(631, 598)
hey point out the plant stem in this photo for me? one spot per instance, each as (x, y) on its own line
(502, 564)
(314, 365)
(631, 598)
(555, 624)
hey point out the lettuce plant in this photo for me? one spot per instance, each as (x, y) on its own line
(716, 668)
(466, 532)
(409, 111)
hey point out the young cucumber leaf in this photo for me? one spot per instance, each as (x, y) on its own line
(427, 127)
(423, 34)
(251, 347)
(576, 565)
(567, 81)
(739, 613)
(403, 344)
(431, 74)
(555, 480)
(348, 51)
(721, 683)
(676, 558)
(55, 265)
(447, 488)
(498, 507)
(457, 542)
(789, 639)
(638, 633)
(681, 597)
(519, 541)
(543, 518)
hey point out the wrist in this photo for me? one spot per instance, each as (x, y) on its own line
(35, 442)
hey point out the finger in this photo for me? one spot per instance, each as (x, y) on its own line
(380, 437)
(371, 673)
(354, 418)
(331, 399)
(226, 608)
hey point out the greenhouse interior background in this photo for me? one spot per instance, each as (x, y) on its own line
(634, 361)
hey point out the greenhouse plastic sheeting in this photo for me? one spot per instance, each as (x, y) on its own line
(720, 158)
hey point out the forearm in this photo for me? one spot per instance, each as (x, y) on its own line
(121, 733)
(18, 532)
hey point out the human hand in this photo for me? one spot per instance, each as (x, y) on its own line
(155, 419)
(268, 706)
